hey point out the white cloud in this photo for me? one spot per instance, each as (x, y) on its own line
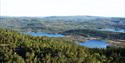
(62, 7)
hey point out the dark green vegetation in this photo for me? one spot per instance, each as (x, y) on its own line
(57, 24)
(95, 33)
(19, 48)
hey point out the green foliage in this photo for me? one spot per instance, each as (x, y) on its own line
(19, 48)
(60, 23)
(96, 33)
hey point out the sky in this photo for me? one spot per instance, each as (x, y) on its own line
(108, 8)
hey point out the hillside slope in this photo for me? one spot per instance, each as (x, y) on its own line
(61, 23)
(20, 48)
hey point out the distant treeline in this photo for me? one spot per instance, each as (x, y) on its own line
(96, 33)
(53, 24)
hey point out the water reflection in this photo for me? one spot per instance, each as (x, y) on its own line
(94, 44)
(45, 34)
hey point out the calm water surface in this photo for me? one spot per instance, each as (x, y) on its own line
(45, 34)
(113, 30)
(94, 44)
(90, 43)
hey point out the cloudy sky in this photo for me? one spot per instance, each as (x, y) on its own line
(109, 8)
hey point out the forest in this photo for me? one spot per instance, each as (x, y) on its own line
(16, 47)
(96, 33)
(56, 24)
(62, 31)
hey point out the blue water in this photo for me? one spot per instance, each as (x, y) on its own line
(94, 44)
(45, 34)
(113, 30)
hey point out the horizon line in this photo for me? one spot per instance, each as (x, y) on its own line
(60, 15)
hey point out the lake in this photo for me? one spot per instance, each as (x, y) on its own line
(94, 44)
(113, 30)
(89, 43)
(44, 34)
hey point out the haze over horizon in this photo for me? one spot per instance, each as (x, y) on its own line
(106, 8)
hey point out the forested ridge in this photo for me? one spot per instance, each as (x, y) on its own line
(57, 24)
(96, 33)
(20, 48)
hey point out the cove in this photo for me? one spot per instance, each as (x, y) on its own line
(113, 30)
(94, 44)
(44, 34)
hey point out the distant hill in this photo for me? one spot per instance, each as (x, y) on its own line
(60, 23)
